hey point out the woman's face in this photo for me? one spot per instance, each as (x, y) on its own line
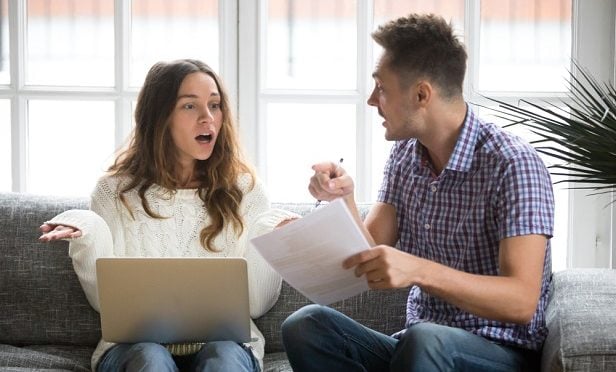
(196, 119)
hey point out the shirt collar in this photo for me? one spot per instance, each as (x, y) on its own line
(462, 156)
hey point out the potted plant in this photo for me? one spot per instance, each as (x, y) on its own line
(581, 136)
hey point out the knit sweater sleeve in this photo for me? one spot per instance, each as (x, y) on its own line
(96, 239)
(263, 282)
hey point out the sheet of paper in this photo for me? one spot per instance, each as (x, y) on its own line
(308, 253)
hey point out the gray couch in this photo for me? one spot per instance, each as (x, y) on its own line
(46, 323)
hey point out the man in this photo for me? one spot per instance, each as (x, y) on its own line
(471, 210)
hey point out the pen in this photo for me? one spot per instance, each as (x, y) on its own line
(339, 163)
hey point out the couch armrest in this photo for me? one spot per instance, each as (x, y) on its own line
(581, 319)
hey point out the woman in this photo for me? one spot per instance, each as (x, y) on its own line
(180, 189)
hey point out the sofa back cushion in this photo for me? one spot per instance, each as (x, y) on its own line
(41, 300)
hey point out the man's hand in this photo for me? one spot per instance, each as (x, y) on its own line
(385, 267)
(57, 232)
(330, 181)
(511, 296)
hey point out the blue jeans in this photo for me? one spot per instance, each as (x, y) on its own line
(320, 338)
(148, 356)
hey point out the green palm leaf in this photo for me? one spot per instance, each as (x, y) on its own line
(582, 135)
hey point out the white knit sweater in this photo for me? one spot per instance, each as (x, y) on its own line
(108, 230)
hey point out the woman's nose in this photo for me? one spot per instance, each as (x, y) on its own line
(206, 116)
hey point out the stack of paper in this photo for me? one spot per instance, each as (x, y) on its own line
(308, 253)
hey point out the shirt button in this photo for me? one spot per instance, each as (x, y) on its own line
(427, 226)
(433, 188)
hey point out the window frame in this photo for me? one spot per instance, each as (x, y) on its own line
(590, 223)
(121, 93)
(592, 220)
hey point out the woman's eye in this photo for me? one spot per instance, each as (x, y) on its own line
(189, 106)
(215, 106)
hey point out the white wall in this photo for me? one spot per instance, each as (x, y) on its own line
(591, 218)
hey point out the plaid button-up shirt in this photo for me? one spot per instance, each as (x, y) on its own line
(494, 186)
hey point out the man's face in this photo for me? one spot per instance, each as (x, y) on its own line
(394, 104)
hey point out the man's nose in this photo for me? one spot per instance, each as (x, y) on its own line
(372, 101)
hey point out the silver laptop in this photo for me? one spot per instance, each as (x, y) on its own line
(173, 300)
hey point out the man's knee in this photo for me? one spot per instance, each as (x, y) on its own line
(429, 336)
(427, 344)
(418, 331)
(311, 325)
(303, 319)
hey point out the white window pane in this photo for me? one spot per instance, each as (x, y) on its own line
(300, 135)
(70, 145)
(525, 45)
(70, 42)
(4, 43)
(453, 11)
(311, 44)
(5, 145)
(380, 152)
(163, 30)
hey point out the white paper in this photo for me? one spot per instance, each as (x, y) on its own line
(308, 253)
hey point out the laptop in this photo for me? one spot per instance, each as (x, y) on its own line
(173, 300)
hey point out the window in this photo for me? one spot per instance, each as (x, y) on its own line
(314, 76)
(86, 128)
(5, 105)
(167, 30)
(5, 145)
(525, 52)
(70, 71)
(4, 42)
(69, 43)
(530, 40)
(66, 103)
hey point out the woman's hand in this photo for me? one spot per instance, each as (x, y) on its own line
(286, 221)
(57, 232)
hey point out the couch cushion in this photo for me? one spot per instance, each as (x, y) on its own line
(276, 362)
(581, 319)
(41, 300)
(44, 357)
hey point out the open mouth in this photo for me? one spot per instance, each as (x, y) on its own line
(204, 138)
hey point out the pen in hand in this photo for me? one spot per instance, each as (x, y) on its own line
(339, 163)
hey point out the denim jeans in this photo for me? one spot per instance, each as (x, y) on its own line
(318, 338)
(146, 356)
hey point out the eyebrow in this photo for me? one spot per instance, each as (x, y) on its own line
(214, 94)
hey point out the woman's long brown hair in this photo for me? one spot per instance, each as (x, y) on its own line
(151, 157)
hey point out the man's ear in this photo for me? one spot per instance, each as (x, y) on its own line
(424, 92)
